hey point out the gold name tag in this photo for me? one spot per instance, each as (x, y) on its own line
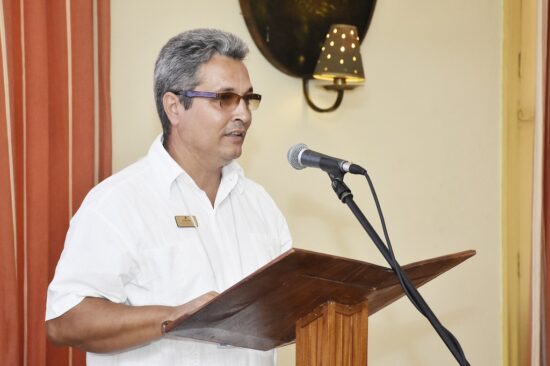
(186, 221)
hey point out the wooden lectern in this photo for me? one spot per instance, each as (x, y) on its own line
(320, 301)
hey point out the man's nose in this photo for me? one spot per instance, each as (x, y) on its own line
(242, 111)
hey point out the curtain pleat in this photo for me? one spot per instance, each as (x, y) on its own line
(104, 88)
(545, 245)
(82, 98)
(59, 145)
(10, 346)
(55, 144)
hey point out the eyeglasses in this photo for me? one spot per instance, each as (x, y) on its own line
(228, 100)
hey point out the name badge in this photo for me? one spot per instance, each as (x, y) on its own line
(186, 221)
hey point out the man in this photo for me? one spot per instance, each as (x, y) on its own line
(162, 237)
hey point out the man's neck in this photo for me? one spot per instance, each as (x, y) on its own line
(206, 176)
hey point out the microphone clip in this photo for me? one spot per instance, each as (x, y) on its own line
(340, 188)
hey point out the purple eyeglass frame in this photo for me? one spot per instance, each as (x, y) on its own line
(219, 96)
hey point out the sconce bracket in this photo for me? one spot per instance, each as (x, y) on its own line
(339, 97)
(339, 87)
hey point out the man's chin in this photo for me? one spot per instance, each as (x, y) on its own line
(232, 155)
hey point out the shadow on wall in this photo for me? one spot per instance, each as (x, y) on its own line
(332, 225)
(421, 337)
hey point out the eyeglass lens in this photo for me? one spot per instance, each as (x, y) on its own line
(231, 100)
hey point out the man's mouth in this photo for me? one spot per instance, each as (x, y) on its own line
(236, 133)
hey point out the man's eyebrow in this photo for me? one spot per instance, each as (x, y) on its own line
(231, 89)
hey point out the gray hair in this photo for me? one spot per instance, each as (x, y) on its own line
(178, 61)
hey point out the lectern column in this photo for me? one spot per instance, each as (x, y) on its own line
(333, 335)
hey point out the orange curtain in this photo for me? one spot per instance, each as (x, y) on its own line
(545, 245)
(55, 144)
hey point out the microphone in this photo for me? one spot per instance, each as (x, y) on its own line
(300, 157)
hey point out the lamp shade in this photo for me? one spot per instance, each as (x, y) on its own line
(340, 57)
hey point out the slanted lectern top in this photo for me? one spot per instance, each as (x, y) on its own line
(261, 311)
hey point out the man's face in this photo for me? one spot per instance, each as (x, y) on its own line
(207, 132)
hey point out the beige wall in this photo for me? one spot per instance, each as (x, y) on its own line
(426, 125)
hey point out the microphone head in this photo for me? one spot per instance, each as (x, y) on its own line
(293, 155)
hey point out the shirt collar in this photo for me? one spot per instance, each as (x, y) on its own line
(167, 170)
(232, 177)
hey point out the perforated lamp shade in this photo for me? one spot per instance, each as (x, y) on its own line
(340, 57)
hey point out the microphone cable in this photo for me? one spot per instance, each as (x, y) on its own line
(412, 293)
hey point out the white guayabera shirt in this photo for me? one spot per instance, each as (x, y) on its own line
(124, 245)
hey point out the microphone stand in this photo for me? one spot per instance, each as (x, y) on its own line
(344, 194)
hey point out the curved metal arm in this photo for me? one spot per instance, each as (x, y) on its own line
(340, 96)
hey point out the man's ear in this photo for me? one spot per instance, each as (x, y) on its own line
(171, 105)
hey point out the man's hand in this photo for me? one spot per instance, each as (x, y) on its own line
(101, 326)
(190, 307)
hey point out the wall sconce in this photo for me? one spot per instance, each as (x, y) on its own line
(340, 62)
(291, 33)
